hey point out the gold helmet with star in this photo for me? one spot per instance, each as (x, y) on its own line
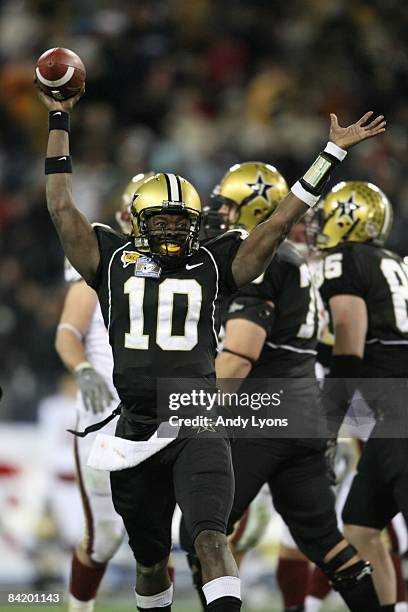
(354, 211)
(122, 216)
(255, 189)
(166, 194)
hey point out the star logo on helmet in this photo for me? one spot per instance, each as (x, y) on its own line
(260, 188)
(348, 208)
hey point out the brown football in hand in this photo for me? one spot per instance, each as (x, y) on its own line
(60, 73)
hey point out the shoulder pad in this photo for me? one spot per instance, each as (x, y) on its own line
(402, 260)
(251, 308)
(353, 250)
(387, 253)
(234, 235)
(239, 302)
(390, 254)
(239, 232)
(109, 235)
(352, 247)
(103, 226)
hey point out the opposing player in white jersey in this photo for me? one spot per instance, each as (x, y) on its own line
(83, 345)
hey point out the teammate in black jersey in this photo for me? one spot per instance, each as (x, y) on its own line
(366, 287)
(157, 292)
(271, 332)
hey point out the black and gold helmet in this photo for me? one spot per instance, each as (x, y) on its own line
(354, 211)
(166, 194)
(123, 215)
(255, 189)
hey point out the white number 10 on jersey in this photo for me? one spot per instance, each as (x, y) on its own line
(137, 339)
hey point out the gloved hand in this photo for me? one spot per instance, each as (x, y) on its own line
(95, 392)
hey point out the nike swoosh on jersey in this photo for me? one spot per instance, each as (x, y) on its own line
(58, 113)
(61, 158)
(188, 267)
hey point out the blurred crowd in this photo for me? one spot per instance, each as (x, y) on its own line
(189, 86)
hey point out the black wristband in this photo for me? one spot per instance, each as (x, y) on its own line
(58, 165)
(58, 120)
(318, 174)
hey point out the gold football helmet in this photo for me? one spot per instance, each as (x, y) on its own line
(122, 216)
(255, 189)
(166, 194)
(354, 211)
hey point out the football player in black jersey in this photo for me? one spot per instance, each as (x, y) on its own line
(157, 290)
(366, 287)
(271, 332)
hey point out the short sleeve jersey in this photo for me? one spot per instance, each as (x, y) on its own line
(284, 302)
(160, 327)
(380, 278)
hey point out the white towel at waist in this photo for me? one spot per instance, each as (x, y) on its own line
(112, 453)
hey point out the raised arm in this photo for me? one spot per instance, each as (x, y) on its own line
(76, 234)
(257, 250)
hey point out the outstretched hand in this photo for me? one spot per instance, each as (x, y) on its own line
(356, 132)
(62, 105)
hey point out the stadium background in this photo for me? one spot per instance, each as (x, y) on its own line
(184, 86)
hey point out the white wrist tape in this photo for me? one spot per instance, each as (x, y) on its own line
(335, 150)
(309, 187)
(82, 366)
(306, 197)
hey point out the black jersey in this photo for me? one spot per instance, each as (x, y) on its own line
(159, 327)
(380, 278)
(290, 322)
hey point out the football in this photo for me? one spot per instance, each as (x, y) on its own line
(60, 73)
